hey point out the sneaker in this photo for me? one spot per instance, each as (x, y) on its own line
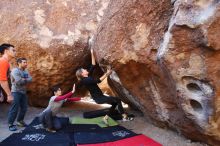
(21, 124)
(12, 127)
(105, 121)
(50, 130)
(127, 119)
(131, 115)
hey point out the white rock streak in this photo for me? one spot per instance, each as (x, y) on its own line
(160, 106)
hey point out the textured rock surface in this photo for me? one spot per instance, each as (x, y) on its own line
(193, 64)
(164, 53)
(52, 35)
(127, 39)
(165, 59)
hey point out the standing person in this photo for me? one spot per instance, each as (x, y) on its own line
(20, 77)
(85, 78)
(8, 52)
(48, 117)
(1, 95)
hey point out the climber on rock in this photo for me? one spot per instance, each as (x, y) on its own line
(84, 77)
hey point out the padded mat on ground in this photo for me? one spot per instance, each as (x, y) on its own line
(139, 140)
(37, 139)
(85, 127)
(36, 126)
(98, 113)
(102, 135)
(98, 121)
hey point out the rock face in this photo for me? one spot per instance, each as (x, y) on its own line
(164, 54)
(165, 58)
(52, 35)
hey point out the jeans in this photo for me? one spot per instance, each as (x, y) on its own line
(110, 100)
(20, 101)
(50, 121)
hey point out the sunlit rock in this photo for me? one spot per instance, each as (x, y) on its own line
(166, 61)
(52, 35)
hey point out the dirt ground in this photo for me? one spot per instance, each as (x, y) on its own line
(139, 125)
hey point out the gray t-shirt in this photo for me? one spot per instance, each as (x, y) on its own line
(19, 80)
(54, 106)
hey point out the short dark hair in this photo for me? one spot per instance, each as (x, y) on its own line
(4, 47)
(19, 60)
(55, 88)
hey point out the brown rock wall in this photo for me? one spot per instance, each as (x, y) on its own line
(164, 58)
(52, 35)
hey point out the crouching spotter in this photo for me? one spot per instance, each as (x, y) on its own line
(48, 117)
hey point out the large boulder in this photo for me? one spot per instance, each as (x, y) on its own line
(127, 39)
(165, 58)
(52, 35)
(164, 54)
(192, 57)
